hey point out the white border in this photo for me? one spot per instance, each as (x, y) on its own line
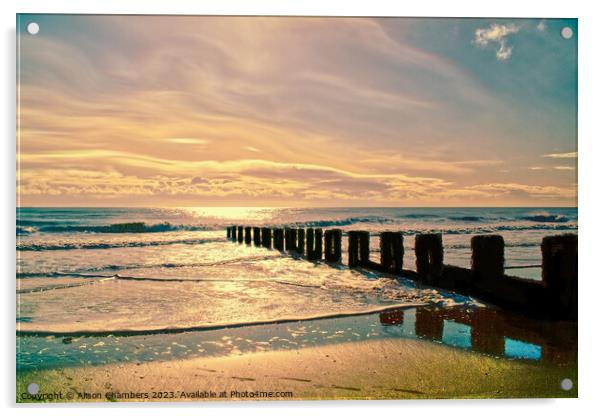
(590, 150)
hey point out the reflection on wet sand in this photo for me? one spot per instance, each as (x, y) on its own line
(490, 331)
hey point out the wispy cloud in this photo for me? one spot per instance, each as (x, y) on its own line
(499, 190)
(496, 34)
(568, 155)
(185, 140)
(236, 110)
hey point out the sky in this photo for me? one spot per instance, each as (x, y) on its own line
(291, 111)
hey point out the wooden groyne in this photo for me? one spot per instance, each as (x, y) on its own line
(555, 296)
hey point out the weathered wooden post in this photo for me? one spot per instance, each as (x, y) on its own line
(257, 236)
(314, 243)
(309, 238)
(291, 241)
(559, 273)
(240, 234)
(248, 238)
(287, 238)
(266, 237)
(279, 239)
(316, 253)
(301, 241)
(359, 248)
(487, 260)
(391, 251)
(429, 257)
(234, 227)
(332, 242)
(228, 233)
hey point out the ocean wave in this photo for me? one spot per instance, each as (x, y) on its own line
(126, 227)
(34, 223)
(554, 222)
(89, 272)
(544, 217)
(25, 230)
(485, 229)
(467, 218)
(218, 326)
(64, 286)
(343, 222)
(39, 246)
(418, 216)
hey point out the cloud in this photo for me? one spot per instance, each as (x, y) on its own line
(502, 190)
(564, 167)
(496, 34)
(136, 110)
(185, 140)
(253, 180)
(431, 165)
(568, 155)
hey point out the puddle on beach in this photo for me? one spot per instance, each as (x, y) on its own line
(479, 329)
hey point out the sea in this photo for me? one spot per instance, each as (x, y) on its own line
(103, 285)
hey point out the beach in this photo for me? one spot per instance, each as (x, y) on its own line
(157, 304)
(384, 369)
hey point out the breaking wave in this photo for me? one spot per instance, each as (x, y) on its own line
(544, 217)
(88, 272)
(39, 246)
(126, 227)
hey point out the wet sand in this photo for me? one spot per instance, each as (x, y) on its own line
(373, 369)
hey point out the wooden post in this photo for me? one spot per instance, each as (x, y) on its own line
(359, 248)
(314, 244)
(291, 241)
(353, 246)
(266, 237)
(279, 239)
(309, 238)
(248, 235)
(429, 257)
(559, 273)
(364, 247)
(391, 251)
(240, 234)
(234, 232)
(332, 242)
(487, 259)
(316, 253)
(287, 238)
(257, 236)
(228, 233)
(301, 241)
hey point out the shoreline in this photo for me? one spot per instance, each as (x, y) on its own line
(217, 327)
(369, 369)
